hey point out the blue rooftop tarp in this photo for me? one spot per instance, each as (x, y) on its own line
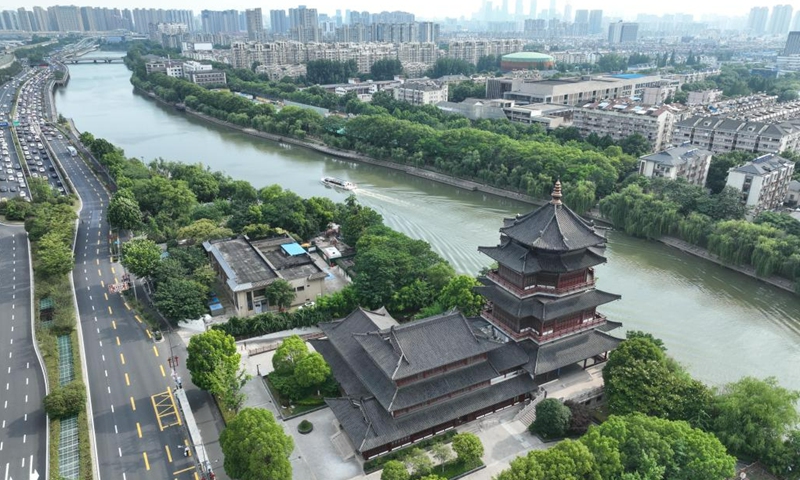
(293, 249)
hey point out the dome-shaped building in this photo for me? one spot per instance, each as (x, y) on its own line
(526, 61)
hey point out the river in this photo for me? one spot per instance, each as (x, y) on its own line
(720, 324)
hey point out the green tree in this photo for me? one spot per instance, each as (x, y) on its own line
(450, 66)
(204, 275)
(311, 370)
(635, 145)
(552, 419)
(202, 230)
(442, 453)
(395, 470)
(567, 460)
(468, 448)
(255, 447)
(419, 462)
(289, 354)
(54, 255)
(458, 293)
(180, 299)
(612, 63)
(386, 69)
(754, 416)
(356, 219)
(718, 169)
(141, 256)
(208, 354)
(281, 294)
(40, 190)
(66, 401)
(124, 211)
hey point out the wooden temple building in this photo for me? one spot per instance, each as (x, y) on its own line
(405, 382)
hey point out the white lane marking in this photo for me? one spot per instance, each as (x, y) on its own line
(112, 408)
(116, 431)
(24, 438)
(26, 399)
(118, 448)
(109, 390)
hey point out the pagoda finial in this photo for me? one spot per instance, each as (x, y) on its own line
(556, 193)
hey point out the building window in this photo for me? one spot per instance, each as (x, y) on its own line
(299, 289)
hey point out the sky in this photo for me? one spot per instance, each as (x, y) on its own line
(426, 8)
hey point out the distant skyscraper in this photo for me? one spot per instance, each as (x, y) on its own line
(792, 44)
(506, 13)
(582, 16)
(780, 19)
(595, 22)
(278, 22)
(67, 19)
(796, 22)
(226, 21)
(255, 24)
(304, 24)
(552, 12)
(533, 12)
(518, 13)
(623, 32)
(757, 21)
(24, 19)
(567, 13)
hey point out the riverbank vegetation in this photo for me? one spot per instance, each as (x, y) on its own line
(521, 158)
(715, 221)
(170, 201)
(50, 222)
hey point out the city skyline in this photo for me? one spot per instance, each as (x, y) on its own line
(627, 9)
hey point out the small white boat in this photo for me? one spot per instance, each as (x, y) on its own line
(338, 183)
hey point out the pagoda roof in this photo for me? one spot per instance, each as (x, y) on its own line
(526, 261)
(370, 426)
(568, 350)
(405, 350)
(543, 307)
(553, 227)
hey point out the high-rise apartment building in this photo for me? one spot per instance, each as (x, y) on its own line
(567, 13)
(278, 22)
(255, 24)
(792, 44)
(532, 13)
(41, 20)
(757, 20)
(595, 22)
(518, 14)
(623, 32)
(226, 21)
(304, 24)
(796, 22)
(67, 19)
(780, 19)
(24, 20)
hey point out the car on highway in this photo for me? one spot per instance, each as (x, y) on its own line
(41, 169)
(3, 189)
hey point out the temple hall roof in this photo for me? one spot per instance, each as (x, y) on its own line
(542, 307)
(526, 261)
(568, 350)
(553, 227)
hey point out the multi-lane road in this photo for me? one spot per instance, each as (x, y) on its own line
(23, 423)
(127, 372)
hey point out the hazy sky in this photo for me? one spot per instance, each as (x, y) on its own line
(426, 8)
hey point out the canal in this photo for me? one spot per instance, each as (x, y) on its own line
(718, 323)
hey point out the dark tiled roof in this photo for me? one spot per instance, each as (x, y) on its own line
(345, 375)
(441, 385)
(541, 307)
(572, 349)
(416, 347)
(526, 261)
(369, 425)
(552, 227)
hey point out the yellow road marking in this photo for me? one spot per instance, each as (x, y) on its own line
(109, 310)
(116, 280)
(196, 477)
(126, 305)
(169, 454)
(183, 471)
(117, 341)
(128, 383)
(137, 318)
(163, 373)
(114, 324)
(99, 273)
(102, 284)
(146, 463)
(106, 295)
(112, 271)
(133, 404)
(155, 350)
(149, 335)
(122, 358)
(139, 429)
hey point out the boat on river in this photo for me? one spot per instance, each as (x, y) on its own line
(338, 183)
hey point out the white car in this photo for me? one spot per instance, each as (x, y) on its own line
(35, 175)
(19, 174)
(41, 169)
(10, 171)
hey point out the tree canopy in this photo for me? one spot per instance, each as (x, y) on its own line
(255, 447)
(141, 256)
(207, 351)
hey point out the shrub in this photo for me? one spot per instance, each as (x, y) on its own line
(394, 470)
(305, 427)
(66, 401)
(468, 447)
(580, 418)
(552, 419)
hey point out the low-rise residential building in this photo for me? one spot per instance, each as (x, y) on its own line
(703, 97)
(472, 50)
(685, 161)
(421, 93)
(246, 267)
(476, 109)
(793, 193)
(208, 77)
(277, 72)
(624, 117)
(171, 68)
(546, 114)
(193, 66)
(722, 134)
(764, 182)
(582, 90)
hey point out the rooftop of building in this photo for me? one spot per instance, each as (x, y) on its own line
(527, 57)
(425, 85)
(632, 106)
(764, 165)
(676, 155)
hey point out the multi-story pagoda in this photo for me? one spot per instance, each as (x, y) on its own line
(542, 294)
(404, 382)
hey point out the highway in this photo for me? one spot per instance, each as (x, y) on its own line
(124, 367)
(9, 182)
(23, 423)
